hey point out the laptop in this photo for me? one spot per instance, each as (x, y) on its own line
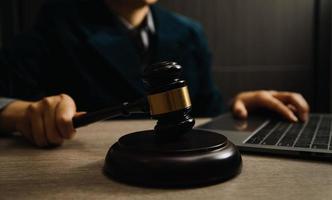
(270, 135)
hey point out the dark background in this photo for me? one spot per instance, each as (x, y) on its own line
(257, 44)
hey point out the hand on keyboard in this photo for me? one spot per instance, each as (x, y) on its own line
(291, 106)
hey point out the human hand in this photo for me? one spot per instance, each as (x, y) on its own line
(47, 122)
(291, 106)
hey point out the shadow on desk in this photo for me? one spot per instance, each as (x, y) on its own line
(16, 141)
(81, 182)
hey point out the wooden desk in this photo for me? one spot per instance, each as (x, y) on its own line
(74, 171)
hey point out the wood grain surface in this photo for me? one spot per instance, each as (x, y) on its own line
(74, 171)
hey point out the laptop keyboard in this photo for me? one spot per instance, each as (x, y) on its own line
(315, 134)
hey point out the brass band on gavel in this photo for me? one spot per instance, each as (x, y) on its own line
(169, 101)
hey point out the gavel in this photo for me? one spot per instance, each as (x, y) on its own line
(168, 101)
(173, 154)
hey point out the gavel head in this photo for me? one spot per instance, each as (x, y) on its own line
(168, 99)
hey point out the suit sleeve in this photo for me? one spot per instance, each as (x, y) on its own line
(208, 100)
(4, 102)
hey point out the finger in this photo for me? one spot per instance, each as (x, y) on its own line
(292, 108)
(52, 134)
(26, 131)
(79, 114)
(296, 100)
(64, 113)
(23, 126)
(239, 109)
(37, 126)
(276, 105)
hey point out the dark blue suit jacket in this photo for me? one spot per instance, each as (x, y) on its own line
(78, 47)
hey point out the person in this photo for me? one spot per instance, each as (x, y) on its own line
(83, 55)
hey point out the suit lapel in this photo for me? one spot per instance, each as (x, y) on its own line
(122, 56)
(113, 45)
(168, 36)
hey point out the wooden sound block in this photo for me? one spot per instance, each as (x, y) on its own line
(198, 158)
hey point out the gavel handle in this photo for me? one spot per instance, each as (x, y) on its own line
(123, 110)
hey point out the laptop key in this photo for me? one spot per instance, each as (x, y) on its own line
(290, 137)
(319, 146)
(274, 137)
(305, 138)
(321, 140)
(303, 144)
(261, 134)
(257, 138)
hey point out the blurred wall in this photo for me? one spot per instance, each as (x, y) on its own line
(0, 30)
(257, 44)
(323, 55)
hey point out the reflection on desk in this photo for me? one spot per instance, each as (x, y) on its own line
(74, 171)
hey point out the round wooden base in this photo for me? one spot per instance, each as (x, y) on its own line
(198, 158)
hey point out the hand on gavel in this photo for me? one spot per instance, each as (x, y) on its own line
(48, 122)
(45, 123)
